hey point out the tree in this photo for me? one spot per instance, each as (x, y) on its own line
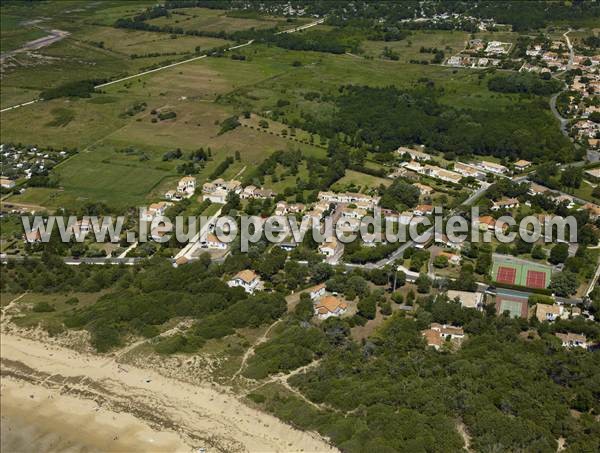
(564, 284)
(538, 252)
(440, 261)
(559, 253)
(423, 283)
(572, 177)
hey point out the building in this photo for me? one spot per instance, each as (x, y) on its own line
(468, 170)
(349, 197)
(522, 164)
(486, 222)
(283, 208)
(187, 185)
(353, 213)
(593, 210)
(423, 209)
(492, 167)
(173, 195)
(414, 154)
(218, 195)
(317, 291)
(571, 340)
(537, 189)
(547, 312)
(505, 203)
(437, 334)
(6, 183)
(425, 190)
(247, 279)
(467, 299)
(329, 306)
(33, 237)
(329, 247)
(155, 210)
(444, 240)
(212, 242)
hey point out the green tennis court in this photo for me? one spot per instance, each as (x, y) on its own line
(515, 271)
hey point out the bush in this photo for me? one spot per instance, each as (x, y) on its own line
(43, 307)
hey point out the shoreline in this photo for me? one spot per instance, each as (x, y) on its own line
(138, 406)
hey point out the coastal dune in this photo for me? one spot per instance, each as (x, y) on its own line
(84, 402)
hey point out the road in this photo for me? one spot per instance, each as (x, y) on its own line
(54, 36)
(189, 250)
(563, 122)
(102, 85)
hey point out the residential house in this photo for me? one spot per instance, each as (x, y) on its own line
(353, 213)
(248, 192)
(317, 291)
(444, 240)
(173, 195)
(33, 236)
(219, 195)
(593, 210)
(329, 306)
(6, 183)
(486, 222)
(537, 189)
(505, 203)
(414, 154)
(492, 167)
(349, 197)
(467, 299)
(563, 198)
(247, 279)
(187, 186)
(548, 312)
(329, 247)
(571, 340)
(437, 334)
(212, 242)
(423, 189)
(423, 210)
(467, 170)
(522, 164)
(155, 210)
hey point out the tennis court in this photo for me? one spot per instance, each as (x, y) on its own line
(506, 275)
(516, 271)
(536, 279)
(517, 308)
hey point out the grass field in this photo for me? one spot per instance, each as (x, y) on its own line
(355, 181)
(212, 20)
(515, 271)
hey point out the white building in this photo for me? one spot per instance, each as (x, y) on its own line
(247, 279)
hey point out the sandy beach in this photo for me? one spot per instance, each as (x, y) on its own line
(83, 402)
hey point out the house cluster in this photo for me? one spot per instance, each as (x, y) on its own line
(23, 163)
(361, 200)
(480, 54)
(217, 190)
(186, 187)
(433, 171)
(438, 334)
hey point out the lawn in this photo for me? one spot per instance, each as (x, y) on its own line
(355, 181)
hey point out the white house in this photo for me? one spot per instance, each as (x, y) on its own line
(329, 247)
(6, 183)
(492, 167)
(212, 242)
(247, 279)
(505, 203)
(437, 334)
(187, 185)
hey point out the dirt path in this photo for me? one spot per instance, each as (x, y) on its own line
(250, 352)
(202, 416)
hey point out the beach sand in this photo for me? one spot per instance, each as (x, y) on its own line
(63, 400)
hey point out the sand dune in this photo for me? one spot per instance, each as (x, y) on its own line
(139, 407)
